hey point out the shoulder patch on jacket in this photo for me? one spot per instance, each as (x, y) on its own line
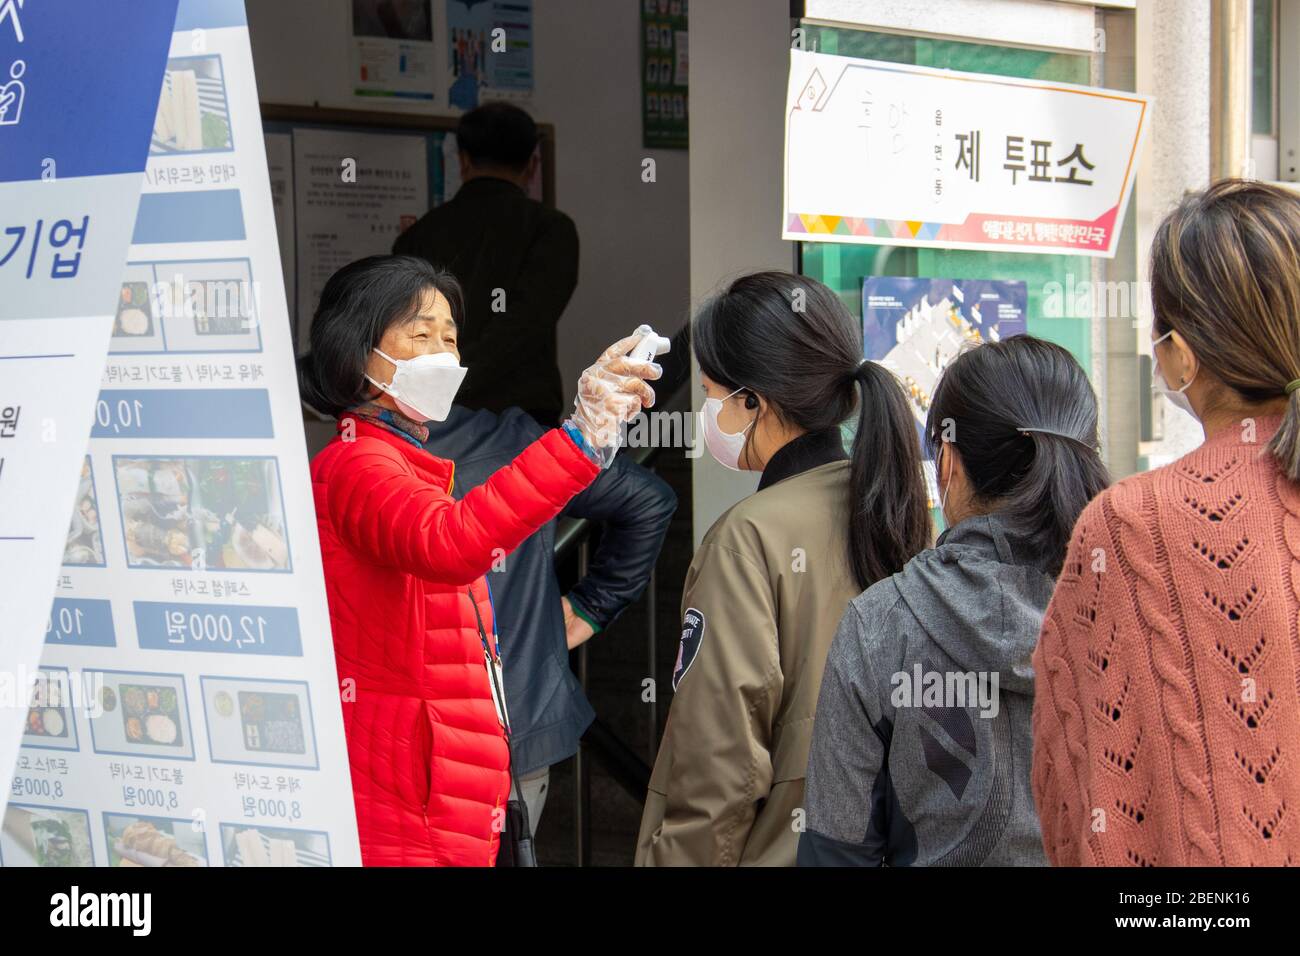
(692, 633)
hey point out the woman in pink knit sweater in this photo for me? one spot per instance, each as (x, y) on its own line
(1166, 719)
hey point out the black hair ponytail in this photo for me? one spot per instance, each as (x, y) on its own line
(1063, 476)
(890, 521)
(1023, 416)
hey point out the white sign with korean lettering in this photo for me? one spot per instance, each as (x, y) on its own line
(894, 154)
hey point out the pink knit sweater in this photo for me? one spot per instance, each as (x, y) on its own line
(1166, 718)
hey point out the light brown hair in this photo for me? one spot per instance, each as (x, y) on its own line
(1225, 275)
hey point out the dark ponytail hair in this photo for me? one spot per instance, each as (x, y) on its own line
(1023, 417)
(359, 303)
(790, 339)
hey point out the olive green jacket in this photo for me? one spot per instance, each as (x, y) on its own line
(762, 601)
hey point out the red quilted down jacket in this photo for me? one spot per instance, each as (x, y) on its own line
(429, 760)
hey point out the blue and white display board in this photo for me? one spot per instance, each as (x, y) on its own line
(190, 612)
(74, 133)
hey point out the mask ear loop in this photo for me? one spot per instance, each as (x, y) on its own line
(1185, 385)
(733, 395)
(1188, 384)
(938, 476)
(744, 449)
(386, 389)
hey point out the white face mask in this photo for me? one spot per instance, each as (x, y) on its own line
(424, 387)
(1176, 396)
(725, 447)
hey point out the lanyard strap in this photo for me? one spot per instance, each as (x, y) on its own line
(500, 694)
(493, 662)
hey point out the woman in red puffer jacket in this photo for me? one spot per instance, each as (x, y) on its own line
(405, 563)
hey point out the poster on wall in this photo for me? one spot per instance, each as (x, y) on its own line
(916, 326)
(354, 193)
(190, 613)
(894, 154)
(489, 51)
(665, 77)
(392, 48)
(279, 168)
(75, 119)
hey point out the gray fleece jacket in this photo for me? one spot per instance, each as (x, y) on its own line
(921, 745)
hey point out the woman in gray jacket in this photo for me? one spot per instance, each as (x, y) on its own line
(921, 745)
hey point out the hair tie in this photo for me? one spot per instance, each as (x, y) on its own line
(1292, 386)
(1051, 431)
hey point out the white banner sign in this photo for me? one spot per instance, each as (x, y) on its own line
(905, 155)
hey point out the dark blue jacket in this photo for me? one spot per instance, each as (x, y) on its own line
(548, 711)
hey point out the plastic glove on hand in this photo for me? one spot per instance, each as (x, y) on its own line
(611, 392)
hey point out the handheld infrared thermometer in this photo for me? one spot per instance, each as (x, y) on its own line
(651, 344)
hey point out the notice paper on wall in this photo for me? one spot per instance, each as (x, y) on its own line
(354, 193)
(187, 711)
(896, 154)
(393, 48)
(279, 166)
(75, 117)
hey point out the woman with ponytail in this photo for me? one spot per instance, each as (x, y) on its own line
(781, 363)
(921, 748)
(1167, 724)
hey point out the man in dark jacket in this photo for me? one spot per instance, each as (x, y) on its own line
(516, 259)
(537, 628)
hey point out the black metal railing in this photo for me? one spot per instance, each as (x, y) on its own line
(625, 766)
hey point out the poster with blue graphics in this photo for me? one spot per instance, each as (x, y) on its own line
(186, 710)
(916, 326)
(489, 51)
(75, 115)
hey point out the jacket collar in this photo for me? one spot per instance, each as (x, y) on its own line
(439, 472)
(417, 433)
(810, 450)
(487, 185)
(994, 537)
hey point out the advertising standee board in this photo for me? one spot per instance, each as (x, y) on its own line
(73, 143)
(187, 711)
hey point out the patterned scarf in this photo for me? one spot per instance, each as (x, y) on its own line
(417, 433)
